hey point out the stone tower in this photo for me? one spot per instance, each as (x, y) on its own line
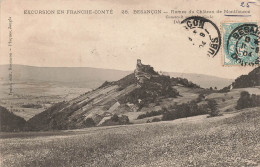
(139, 63)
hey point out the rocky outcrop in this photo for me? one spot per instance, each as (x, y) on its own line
(144, 72)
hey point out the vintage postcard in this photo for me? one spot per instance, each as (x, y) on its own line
(128, 83)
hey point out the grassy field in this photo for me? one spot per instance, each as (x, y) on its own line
(229, 140)
(229, 100)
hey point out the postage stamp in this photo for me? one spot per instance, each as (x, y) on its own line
(203, 33)
(241, 43)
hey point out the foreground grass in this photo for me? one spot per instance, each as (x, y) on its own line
(233, 141)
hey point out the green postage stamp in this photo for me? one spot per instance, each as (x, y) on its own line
(241, 43)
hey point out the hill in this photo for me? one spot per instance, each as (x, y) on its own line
(252, 79)
(10, 122)
(92, 77)
(117, 102)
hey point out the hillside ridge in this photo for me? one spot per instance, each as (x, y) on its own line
(252, 79)
(108, 104)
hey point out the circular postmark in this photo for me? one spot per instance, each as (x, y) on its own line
(203, 33)
(243, 44)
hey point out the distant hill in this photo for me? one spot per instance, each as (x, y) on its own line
(252, 79)
(205, 81)
(92, 77)
(74, 76)
(10, 122)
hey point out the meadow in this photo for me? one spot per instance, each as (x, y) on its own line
(229, 140)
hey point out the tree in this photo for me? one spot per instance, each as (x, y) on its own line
(244, 101)
(212, 104)
(200, 97)
(184, 110)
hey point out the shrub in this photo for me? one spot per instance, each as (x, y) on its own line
(227, 110)
(156, 120)
(115, 118)
(203, 108)
(123, 120)
(89, 122)
(255, 100)
(36, 106)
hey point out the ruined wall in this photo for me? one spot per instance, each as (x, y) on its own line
(144, 72)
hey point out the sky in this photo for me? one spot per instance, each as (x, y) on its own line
(112, 41)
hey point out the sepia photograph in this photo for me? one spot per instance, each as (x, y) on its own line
(129, 83)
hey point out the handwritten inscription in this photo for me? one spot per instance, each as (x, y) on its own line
(246, 4)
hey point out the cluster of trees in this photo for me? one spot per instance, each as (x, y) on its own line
(185, 110)
(250, 80)
(247, 101)
(151, 114)
(117, 120)
(150, 91)
(184, 82)
(191, 109)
